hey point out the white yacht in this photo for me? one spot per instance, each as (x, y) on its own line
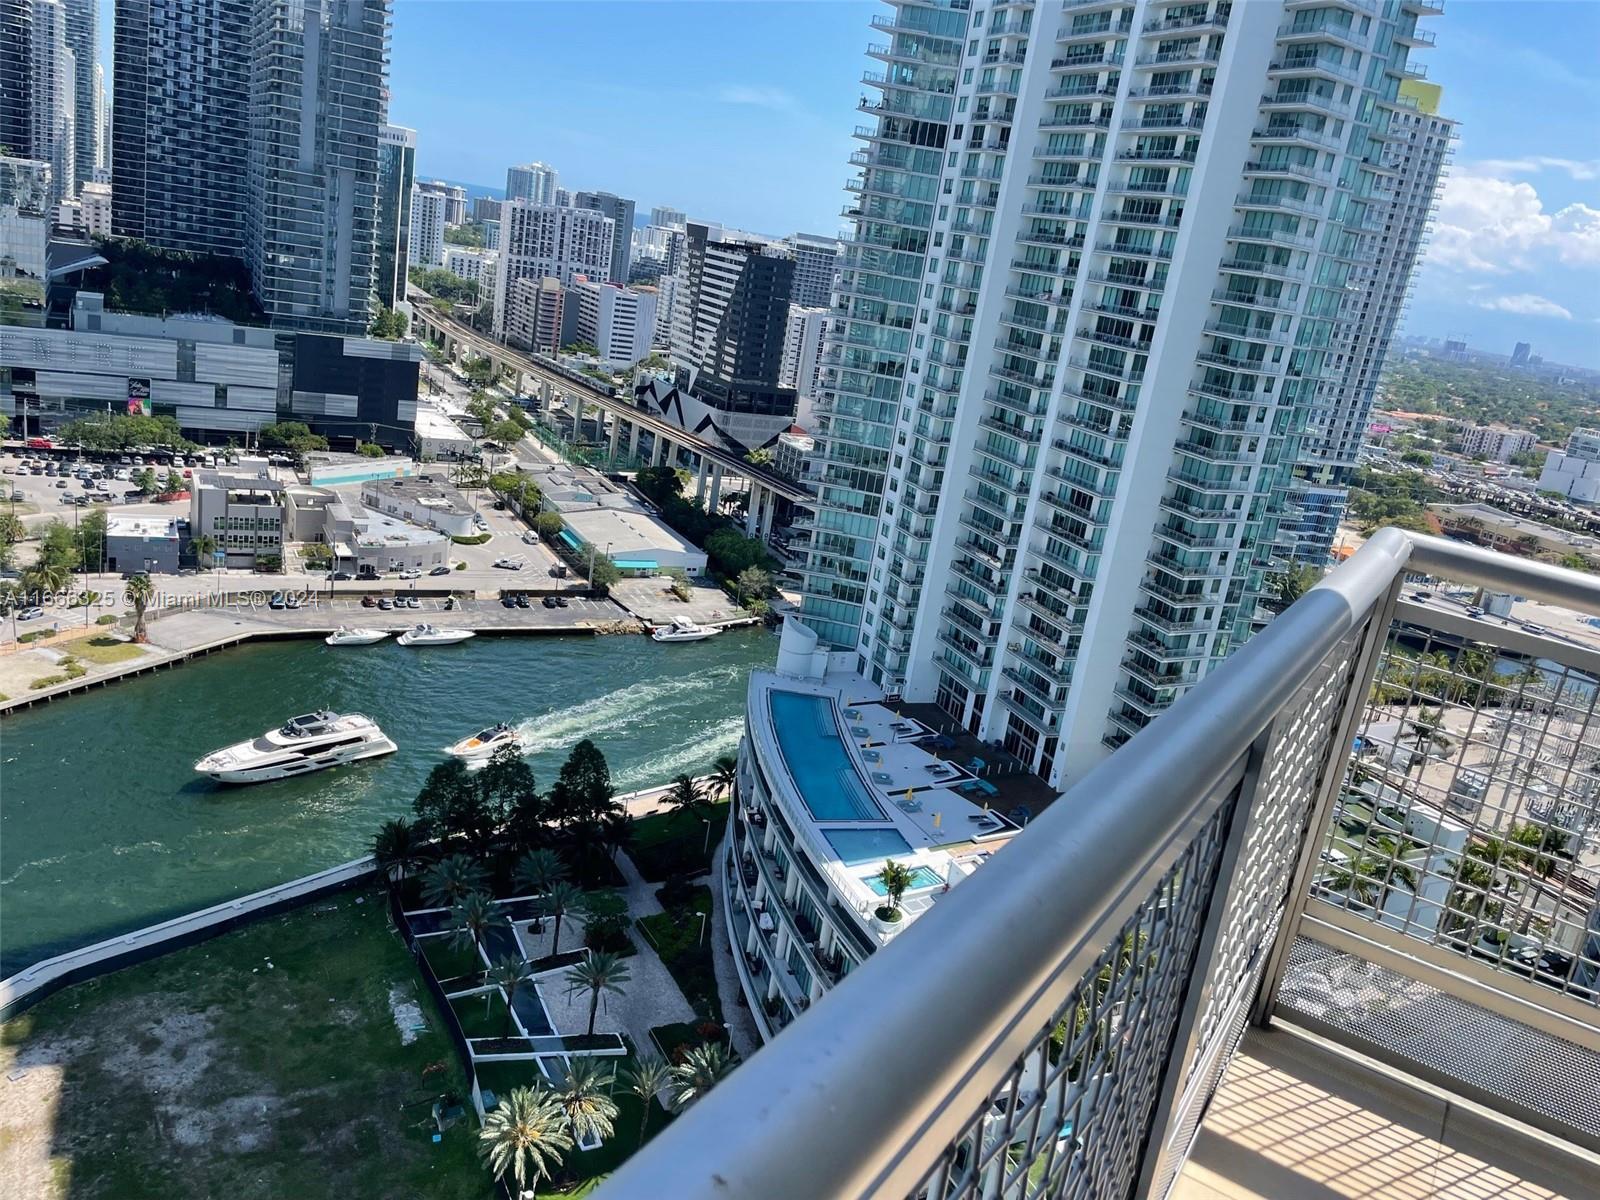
(355, 637)
(682, 630)
(301, 745)
(432, 635)
(485, 742)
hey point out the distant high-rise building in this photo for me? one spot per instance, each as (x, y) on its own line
(485, 208)
(397, 170)
(95, 201)
(621, 211)
(102, 109)
(491, 233)
(803, 343)
(546, 240)
(16, 78)
(533, 310)
(180, 124)
(816, 264)
(1418, 144)
(476, 265)
(1099, 267)
(670, 217)
(618, 321)
(427, 227)
(730, 310)
(1520, 353)
(533, 182)
(455, 199)
(54, 90)
(250, 128)
(82, 37)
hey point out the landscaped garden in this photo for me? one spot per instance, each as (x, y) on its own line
(681, 935)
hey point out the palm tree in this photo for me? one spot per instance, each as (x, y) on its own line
(450, 880)
(701, 1070)
(601, 972)
(1370, 874)
(205, 549)
(1536, 847)
(685, 795)
(538, 871)
(396, 848)
(896, 878)
(648, 1076)
(47, 577)
(508, 973)
(472, 916)
(140, 592)
(526, 1133)
(724, 774)
(557, 901)
(616, 831)
(586, 1099)
(1469, 904)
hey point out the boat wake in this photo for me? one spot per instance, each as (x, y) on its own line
(616, 711)
(693, 757)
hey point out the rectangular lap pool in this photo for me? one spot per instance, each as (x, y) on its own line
(817, 760)
(857, 846)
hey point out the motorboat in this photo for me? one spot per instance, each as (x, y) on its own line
(485, 742)
(301, 745)
(355, 637)
(682, 630)
(431, 635)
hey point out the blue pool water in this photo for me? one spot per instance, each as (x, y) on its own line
(817, 760)
(922, 877)
(857, 846)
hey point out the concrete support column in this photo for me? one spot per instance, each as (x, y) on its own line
(753, 509)
(700, 480)
(716, 488)
(577, 417)
(768, 511)
(616, 436)
(658, 447)
(633, 440)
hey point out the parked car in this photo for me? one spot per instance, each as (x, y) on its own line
(510, 564)
(441, 569)
(386, 604)
(61, 483)
(341, 575)
(530, 538)
(508, 601)
(292, 600)
(31, 613)
(277, 601)
(558, 572)
(1536, 630)
(550, 602)
(561, 601)
(523, 601)
(369, 602)
(410, 573)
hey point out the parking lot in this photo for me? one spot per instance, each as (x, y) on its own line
(319, 612)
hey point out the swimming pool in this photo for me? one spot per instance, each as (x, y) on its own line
(817, 760)
(922, 877)
(857, 846)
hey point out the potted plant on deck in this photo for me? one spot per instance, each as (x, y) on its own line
(896, 878)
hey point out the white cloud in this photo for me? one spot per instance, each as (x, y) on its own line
(1495, 226)
(756, 97)
(1525, 304)
(1534, 163)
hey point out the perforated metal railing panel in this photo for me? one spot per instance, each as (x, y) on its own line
(1072, 1116)
(1292, 770)
(1382, 1010)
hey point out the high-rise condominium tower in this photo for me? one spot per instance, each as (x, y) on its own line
(1413, 156)
(397, 173)
(427, 227)
(533, 182)
(81, 34)
(816, 263)
(539, 241)
(52, 84)
(621, 210)
(250, 128)
(1102, 258)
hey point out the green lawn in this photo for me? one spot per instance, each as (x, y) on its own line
(484, 1016)
(674, 843)
(450, 958)
(103, 649)
(676, 935)
(264, 1063)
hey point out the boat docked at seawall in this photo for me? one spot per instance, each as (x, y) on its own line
(682, 630)
(433, 635)
(355, 637)
(485, 742)
(311, 742)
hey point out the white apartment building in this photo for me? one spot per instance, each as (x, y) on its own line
(666, 301)
(548, 240)
(534, 182)
(802, 352)
(53, 82)
(620, 322)
(476, 265)
(95, 202)
(1101, 259)
(1414, 155)
(816, 265)
(427, 227)
(1496, 442)
(1575, 472)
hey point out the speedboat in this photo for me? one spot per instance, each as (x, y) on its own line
(485, 742)
(302, 744)
(682, 630)
(355, 637)
(432, 635)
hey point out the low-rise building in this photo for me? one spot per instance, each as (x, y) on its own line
(474, 265)
(423, 500)
(613, 521)
(327, 468)
(1574, 472)
(241, 511)
(791, 454)
(619, 322)
(438, 436)
(364, 542)
(1496, 442)
(1506, 532)
(142, 545)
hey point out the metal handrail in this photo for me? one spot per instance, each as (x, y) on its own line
(886, 1089)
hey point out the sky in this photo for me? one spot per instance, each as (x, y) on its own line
(741, 111)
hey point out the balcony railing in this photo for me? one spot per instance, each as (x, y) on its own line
(1235, 863)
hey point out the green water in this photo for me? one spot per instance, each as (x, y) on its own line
(104, 827)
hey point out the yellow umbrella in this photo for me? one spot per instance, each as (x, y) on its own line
(938, 819)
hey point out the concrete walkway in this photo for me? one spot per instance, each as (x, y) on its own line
(652, 995)
(741, 1025)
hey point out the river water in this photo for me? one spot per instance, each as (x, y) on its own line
(104, 827)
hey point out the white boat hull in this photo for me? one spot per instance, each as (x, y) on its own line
(356, 637)
(332, 757)
(439, 638)
(699, 635)
(483, 750)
